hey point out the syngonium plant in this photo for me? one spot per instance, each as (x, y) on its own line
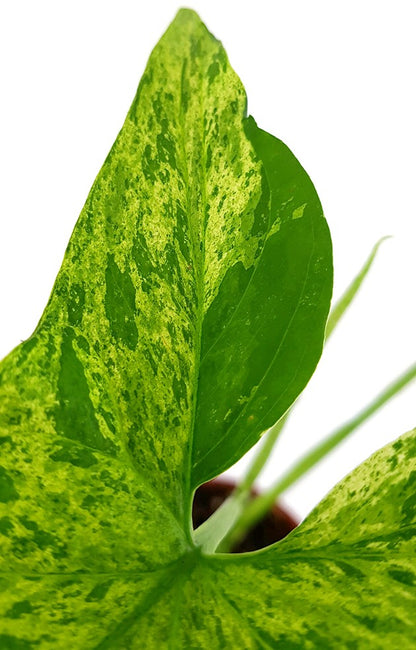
(188, 315)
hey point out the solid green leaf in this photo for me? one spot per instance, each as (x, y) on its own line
(263, 331)
(188, 314)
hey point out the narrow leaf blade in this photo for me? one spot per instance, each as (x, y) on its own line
(351, 291)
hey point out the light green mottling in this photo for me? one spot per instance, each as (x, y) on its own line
(79, 611)
(169, 248)
(188, 314)
(345, 578)
(298, 212)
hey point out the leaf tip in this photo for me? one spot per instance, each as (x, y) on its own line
(381, 240)
(185, 14)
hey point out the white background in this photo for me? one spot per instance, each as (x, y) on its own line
(334, 80)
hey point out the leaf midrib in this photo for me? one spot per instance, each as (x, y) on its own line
(173, 578)
(200, 278)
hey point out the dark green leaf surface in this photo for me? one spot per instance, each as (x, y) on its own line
(262, 332)
(188, 314)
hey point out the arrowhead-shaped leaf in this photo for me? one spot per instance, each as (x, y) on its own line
(187, 316)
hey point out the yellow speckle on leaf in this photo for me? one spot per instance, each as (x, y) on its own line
(298, 212)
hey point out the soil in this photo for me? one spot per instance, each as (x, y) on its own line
(275, 526)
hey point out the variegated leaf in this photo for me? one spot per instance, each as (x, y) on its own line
(187, 316)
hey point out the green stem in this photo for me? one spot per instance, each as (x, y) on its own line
(262, 456)
(209, 535)
(259, 507)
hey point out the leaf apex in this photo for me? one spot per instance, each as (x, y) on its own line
(185, 14)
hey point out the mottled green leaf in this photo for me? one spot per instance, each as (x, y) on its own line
(345, 578)
(189, 310)
(188, 314)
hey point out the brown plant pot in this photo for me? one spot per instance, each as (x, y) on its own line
(275, 526)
